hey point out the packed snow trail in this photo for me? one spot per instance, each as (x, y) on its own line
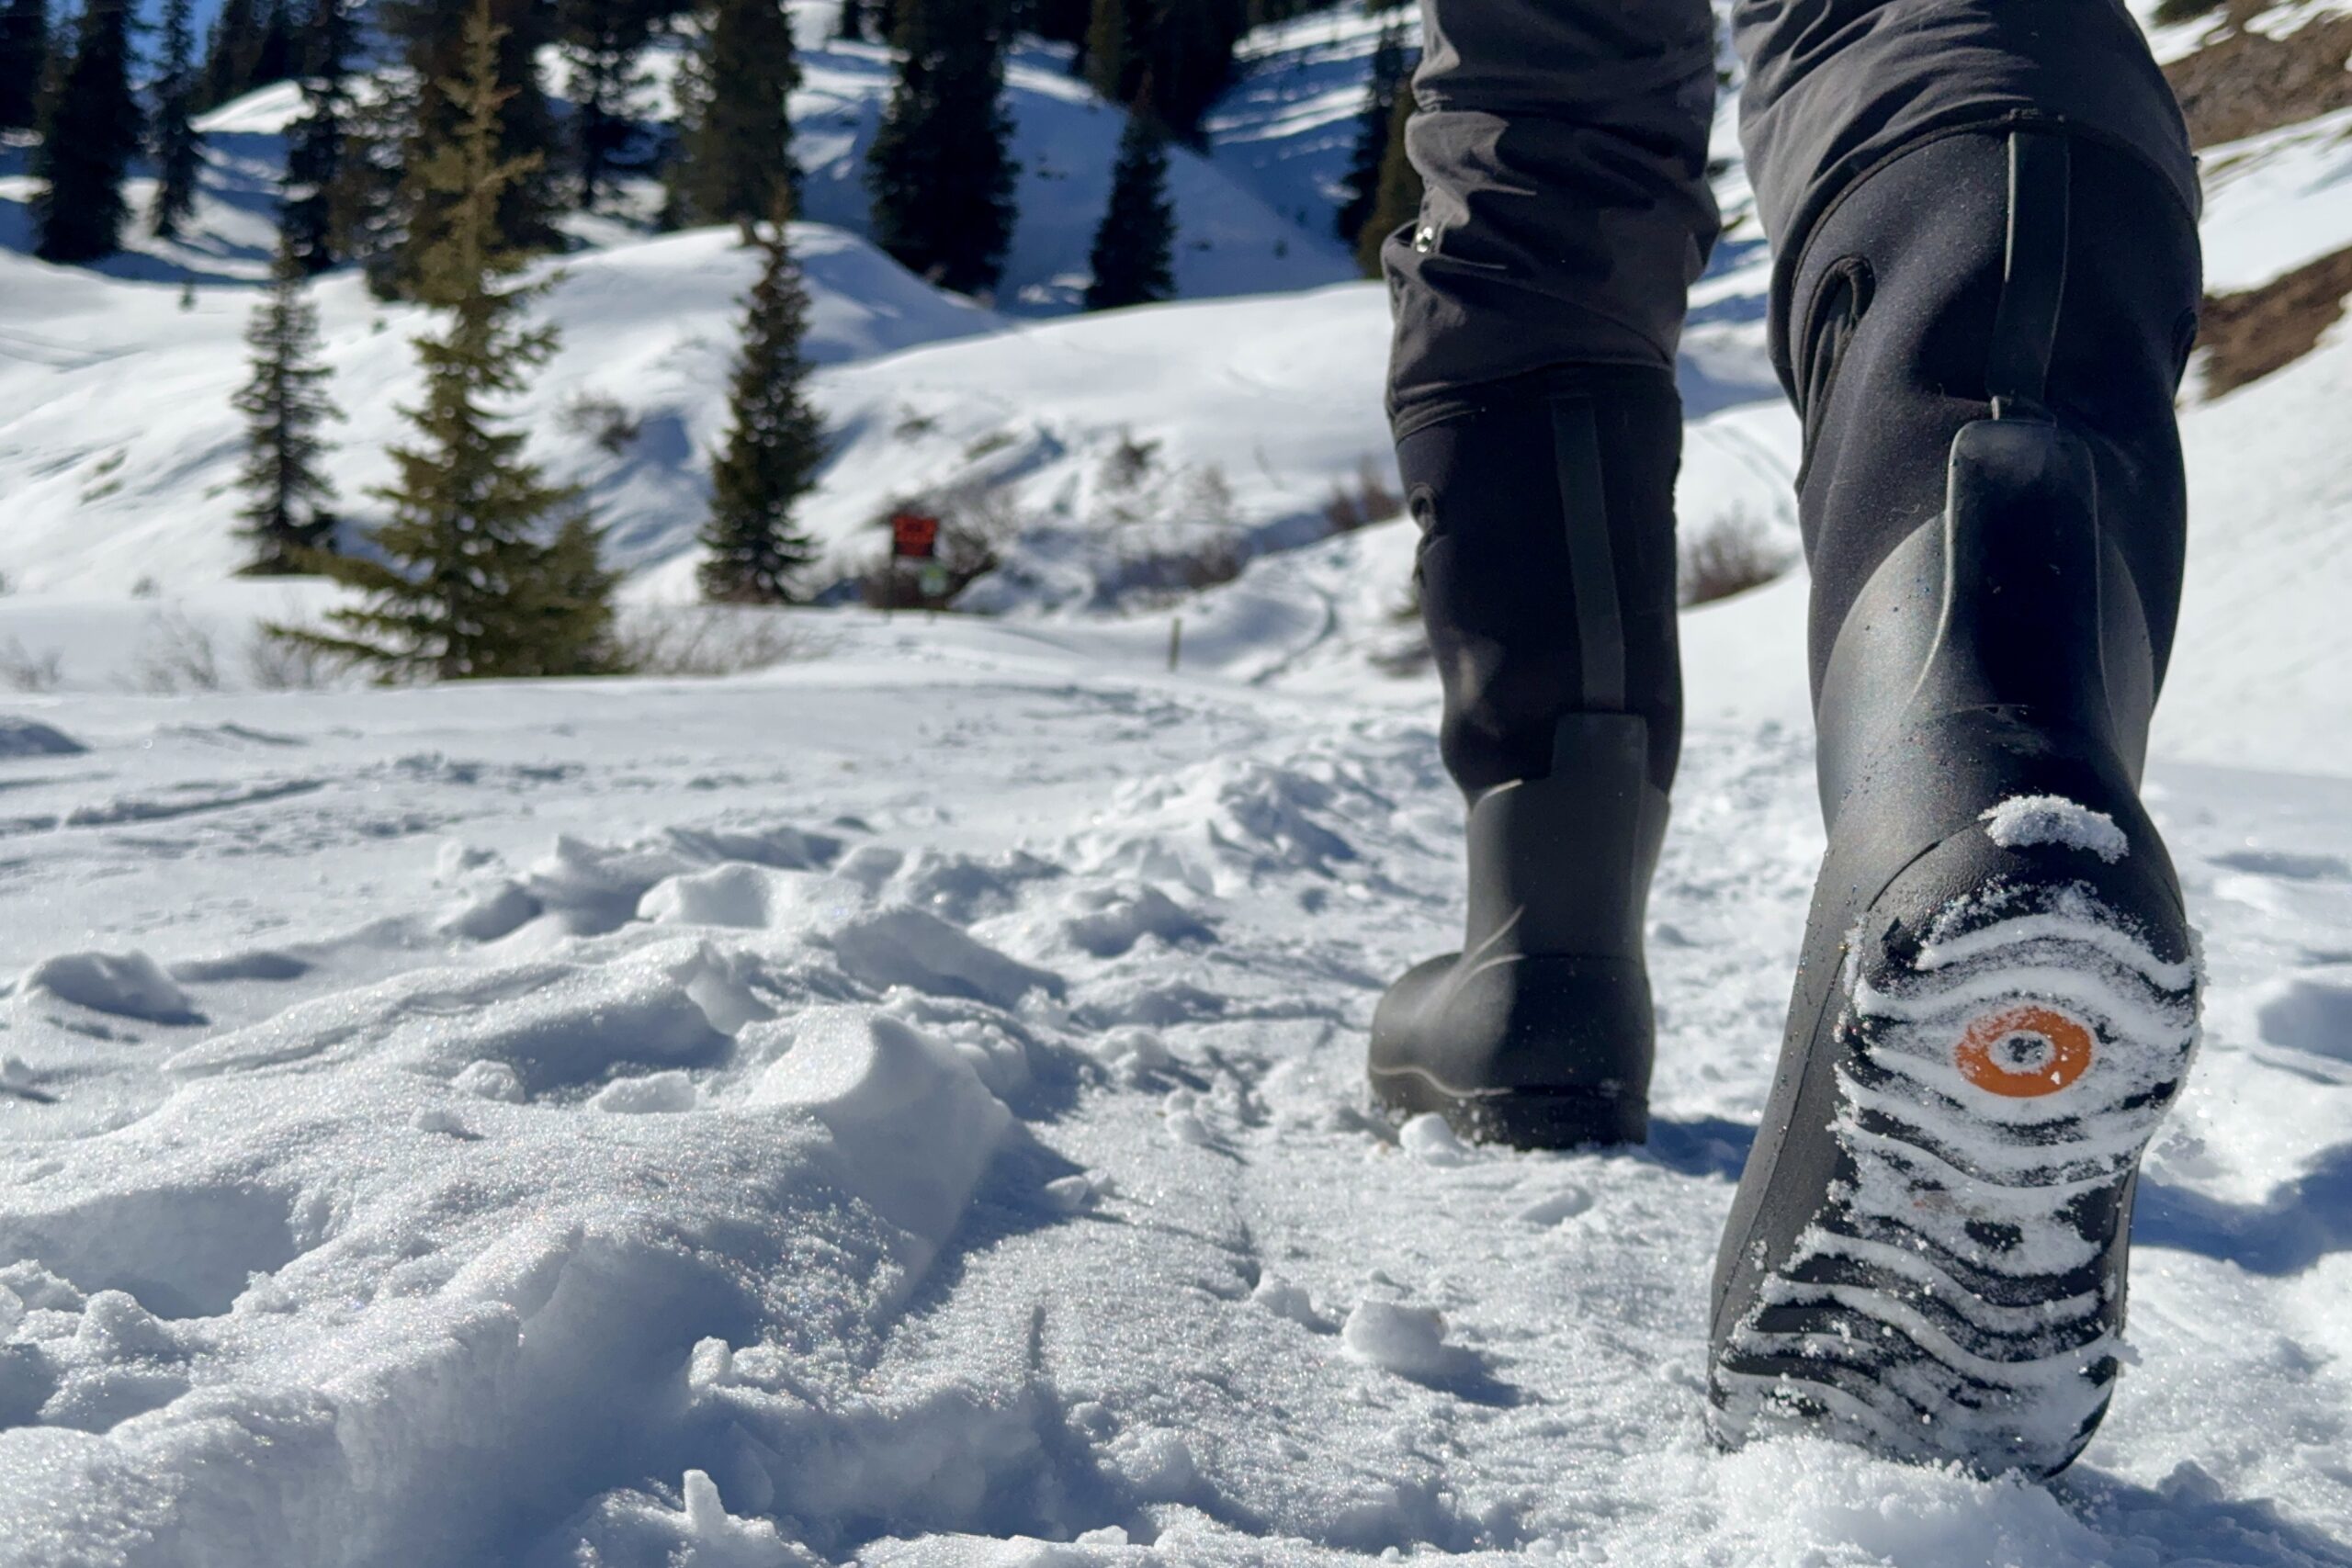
(905, 1109)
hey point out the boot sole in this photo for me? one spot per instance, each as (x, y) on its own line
(1957, 1295)
(1519, 1118)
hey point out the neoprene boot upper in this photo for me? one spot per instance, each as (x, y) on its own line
(1547, 576)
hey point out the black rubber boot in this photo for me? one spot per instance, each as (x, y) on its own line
(1548, 578)
(1998, 995)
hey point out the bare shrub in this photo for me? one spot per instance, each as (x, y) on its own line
(1406, 612)
(280, 665)
(1731, 555)
(1370, 499)
(1214, 557)
(1403, 656)
(174, 656)
(1177, 535)
(23, 670)
(705, 642)
(1129, 463)
(601, 418)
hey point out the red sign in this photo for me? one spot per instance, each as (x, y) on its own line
(914, 536)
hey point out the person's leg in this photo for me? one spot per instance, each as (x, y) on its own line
(1539, 300)
(1984, 297)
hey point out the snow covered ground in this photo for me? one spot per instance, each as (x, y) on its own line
(903, 1107)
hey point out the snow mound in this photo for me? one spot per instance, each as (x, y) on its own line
(910, 947)
(2307, 1013)
(698, 1532)
(1409, 1341)
(753, 897)
(26, 738)
(914, 1125)
(1428, 1139)
(669, 1093)
(127, 984)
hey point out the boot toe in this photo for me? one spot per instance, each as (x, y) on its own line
(1529, 1052)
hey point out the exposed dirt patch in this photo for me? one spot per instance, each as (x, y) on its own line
(2247, 336)
(2244, 84)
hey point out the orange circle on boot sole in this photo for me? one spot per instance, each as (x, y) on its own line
(1990, 1057)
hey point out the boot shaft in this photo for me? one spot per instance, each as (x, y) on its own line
(2059, 277)
(1546, 565)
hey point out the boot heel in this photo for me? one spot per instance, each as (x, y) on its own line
(2010, 1026)
(1539, 1033)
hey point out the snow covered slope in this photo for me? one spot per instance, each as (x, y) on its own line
(1065, 139)
(1278, 396)
(1230, 240)
(121, 450)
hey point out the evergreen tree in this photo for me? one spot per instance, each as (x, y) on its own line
(364, 197)
(1183, 48)
(1400, 202)
(1062, 21)
(1373, 126)
(1135, 248)
(90, 132)
(434, 36)
(1116, 49)
(279, 57)
(24, 61)
(852, 21)
(604, 46)
(232, 55)
(774, 445)
(314, 144)
(1191, 58)
(941, 175)
(179, 150)
(487, 570)
(285, 403)
(735, 126)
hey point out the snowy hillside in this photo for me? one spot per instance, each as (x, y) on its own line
(1253, 405)
(904, 1107)
(1232, 241)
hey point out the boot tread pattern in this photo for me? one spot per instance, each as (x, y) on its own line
(1998, 1076)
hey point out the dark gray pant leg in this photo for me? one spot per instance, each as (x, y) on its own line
(1838, 88)
(1563, 145)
